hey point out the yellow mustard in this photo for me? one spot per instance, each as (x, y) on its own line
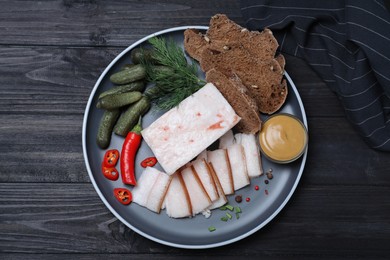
(283, 138)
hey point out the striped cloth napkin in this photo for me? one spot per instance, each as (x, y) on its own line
(347, 43)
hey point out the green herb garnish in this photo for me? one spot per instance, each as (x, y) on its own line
(224, 219)
(226, 206)
(179, 78)
(223, 208)
(229, 207)
(238, 211)
(212, 228)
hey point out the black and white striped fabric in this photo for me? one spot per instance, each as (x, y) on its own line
(347, 43)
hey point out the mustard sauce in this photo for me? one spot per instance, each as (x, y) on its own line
(283, 138)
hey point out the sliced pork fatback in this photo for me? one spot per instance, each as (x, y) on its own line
(207, 180)
(157, 193)
(198, 195)
(222, 200)
(238, 165)
(144, 185)
(202, 155)
(151, 189)
(226, 140)
(220, 161)
(183, 132)
(252, 154)
(177, 199)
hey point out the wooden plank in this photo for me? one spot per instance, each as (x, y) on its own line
(101, 23)
(134, 256)
(37, 80)
(59, 81)
(318, 221)
(36, 148)
(338, 156)
(211, 255)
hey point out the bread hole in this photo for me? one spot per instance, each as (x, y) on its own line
(214, 52)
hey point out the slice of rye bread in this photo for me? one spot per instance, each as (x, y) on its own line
(262, 79)
(237, 96)
(195, 42)
(233, 44)
(222, 32)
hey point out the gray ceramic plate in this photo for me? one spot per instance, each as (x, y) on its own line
(189, 232)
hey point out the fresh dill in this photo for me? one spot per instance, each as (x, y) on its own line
(174, 77)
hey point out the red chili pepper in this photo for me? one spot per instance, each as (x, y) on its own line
(129, 150)
(110, 173)
(123, 195)
(111, 158)
(149, 162)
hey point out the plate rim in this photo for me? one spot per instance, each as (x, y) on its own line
(118, 216)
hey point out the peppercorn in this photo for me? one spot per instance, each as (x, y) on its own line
(238, 198)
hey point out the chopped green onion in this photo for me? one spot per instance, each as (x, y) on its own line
(228, 216)
(223, 208)
(212, 228)
(224, 219)
(229, 207)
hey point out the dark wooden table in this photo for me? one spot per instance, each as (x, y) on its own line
(52, 53)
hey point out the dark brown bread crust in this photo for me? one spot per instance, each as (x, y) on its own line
(238, 97)
(281, 60)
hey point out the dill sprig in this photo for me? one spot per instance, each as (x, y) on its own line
(174, 77)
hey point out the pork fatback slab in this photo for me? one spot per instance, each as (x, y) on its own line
(183, 132)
